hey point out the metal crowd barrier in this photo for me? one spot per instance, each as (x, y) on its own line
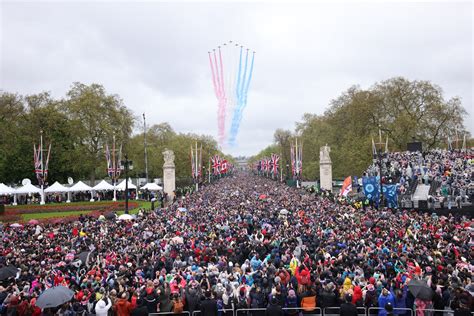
(360, 310)
(304, 310)
(314, 311)
(430, 312)
(170, 313)
(376, 309)
(227, 312)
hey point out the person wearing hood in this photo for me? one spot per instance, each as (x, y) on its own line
(102, 308)
(385, 298)
(357, 297)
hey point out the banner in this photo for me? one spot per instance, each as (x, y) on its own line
(390, 193)
(371, 188)
(346, 186)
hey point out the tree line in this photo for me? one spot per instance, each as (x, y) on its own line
(401, 109)
(79, 126)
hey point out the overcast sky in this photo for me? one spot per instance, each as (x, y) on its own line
(154, 55)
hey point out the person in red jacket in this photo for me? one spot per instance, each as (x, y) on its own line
(303, 275)
(123, 307)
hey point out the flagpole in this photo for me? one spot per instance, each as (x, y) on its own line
(297, 165)
(209, 167)
(42, 169)
(195, 169)
(114, 171)
(146, 156)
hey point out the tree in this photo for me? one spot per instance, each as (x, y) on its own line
(98, 117)
(402, 109)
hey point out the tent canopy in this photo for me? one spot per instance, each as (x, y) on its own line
(151, 187)
(56, 187)
(80, 187)
(121, 186)
(103, 186)
(4, 189)
(26, 189)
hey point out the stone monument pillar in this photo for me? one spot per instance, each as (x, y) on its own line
(325, 168)
(169, 184)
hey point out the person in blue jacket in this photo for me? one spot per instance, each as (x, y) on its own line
(384, 298)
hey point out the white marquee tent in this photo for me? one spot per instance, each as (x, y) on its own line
(151, 187)
(4, 189)
(27, 189)
(80, 187)
(56, 188)
(121, 186)
(103, 186)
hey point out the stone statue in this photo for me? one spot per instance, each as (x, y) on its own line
(168, 156)
(169, 177)
(324, 154)
(325, 168)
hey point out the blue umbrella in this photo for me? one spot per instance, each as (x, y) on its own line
(54, 297)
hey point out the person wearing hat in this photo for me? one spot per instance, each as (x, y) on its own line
(347, 308)
(274, 309)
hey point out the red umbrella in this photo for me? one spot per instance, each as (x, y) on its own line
(262, 197)
(33, 222)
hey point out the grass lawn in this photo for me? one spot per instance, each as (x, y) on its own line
(27, 217)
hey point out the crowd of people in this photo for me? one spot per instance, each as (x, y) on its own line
(450, 172)
(243, 242)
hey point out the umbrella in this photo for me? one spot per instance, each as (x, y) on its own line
(84, 257)
(420, 289)
(284, 211)
(110, 216)
(177, 240)
(262, 197)
(16, 225)
(182, 209)
(8, 272)
(125, 217)
(54, 297)
(33, 222)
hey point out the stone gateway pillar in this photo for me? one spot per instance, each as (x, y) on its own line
(325, 168)
(169, 177)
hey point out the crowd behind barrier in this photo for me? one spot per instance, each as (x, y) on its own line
(450, 173)
(242, 242)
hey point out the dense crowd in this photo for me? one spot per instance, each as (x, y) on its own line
(242, 242)
(451, 170)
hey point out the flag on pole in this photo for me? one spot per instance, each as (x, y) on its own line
(346, 186)
(275, 159)
(193, 167)
(293, 163)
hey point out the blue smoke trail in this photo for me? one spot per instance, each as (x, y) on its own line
(241, 100)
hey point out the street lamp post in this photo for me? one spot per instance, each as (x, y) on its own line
(128, 164)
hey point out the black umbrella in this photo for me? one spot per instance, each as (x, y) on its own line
(110, 216)
(420, 289)
(54, 297)
(84, 257)
(8, 272)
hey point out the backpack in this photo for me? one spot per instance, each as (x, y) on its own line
(178, 307)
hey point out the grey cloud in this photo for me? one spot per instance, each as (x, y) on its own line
(154, 55)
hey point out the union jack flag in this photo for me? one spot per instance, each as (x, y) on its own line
(274, 163)
(224, 166)
(216, 164)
